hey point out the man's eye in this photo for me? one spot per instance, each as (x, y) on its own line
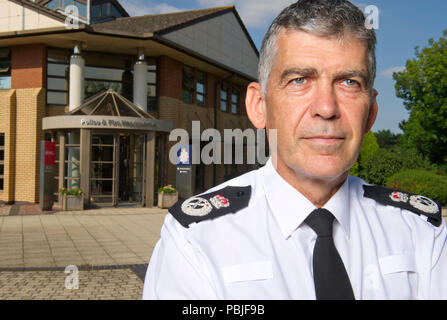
(351, 83)
(300, 81)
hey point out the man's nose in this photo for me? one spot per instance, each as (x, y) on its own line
(325, 103)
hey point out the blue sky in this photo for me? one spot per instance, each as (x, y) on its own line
(403, 24)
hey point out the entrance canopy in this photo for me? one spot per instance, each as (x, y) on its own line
(107, 110)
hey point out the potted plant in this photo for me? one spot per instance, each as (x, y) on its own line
(167, 196)
(72, 199)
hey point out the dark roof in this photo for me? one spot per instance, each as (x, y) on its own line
(141, 25)
(110, 103)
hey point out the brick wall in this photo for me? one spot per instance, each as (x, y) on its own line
(8, 127)
(169, 78)
(30, 106)
(28, 66)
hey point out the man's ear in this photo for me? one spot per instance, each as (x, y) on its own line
(255, 105)
(372, 111)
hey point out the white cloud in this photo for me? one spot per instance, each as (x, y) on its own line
(142, 7)
(388, 73)
(254, 13)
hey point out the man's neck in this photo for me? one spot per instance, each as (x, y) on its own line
(317, 190)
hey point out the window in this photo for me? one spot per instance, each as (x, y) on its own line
(223, 98)
(81, 5)
(229, 99)
(2, 160)
(188, 84)
(72, 160)
(5, 68)
(57, 77)
(193, 86)
(104, 12)
(152, 87)
(200, 89)
(98, 78)
(234, 101)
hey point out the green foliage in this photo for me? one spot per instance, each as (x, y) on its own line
(354, 171)
(386, 139)
(71, 191)
(423, 87)
(167, 189)
(369, 148)
(387, 162)
(423, 182)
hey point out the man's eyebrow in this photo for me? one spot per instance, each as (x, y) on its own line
(303, 72)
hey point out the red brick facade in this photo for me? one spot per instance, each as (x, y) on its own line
(28, 66)
(170, 78)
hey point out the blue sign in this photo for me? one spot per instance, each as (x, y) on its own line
(184, 156)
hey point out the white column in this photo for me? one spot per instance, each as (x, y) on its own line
(77, 67)
(140, 82)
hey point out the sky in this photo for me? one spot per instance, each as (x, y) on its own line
(402, 25)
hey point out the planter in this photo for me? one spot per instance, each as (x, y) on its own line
(167, 200)
(72, 203)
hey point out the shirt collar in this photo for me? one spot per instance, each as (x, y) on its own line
(290, 208)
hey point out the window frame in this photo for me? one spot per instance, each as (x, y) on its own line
(6, 61)
(236, 92)
(230, 90)
(193, 90)
(66, 78)
(2, 161)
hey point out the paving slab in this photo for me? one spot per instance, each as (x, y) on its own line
(110, 247)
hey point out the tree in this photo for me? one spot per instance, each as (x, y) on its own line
(386, 139)
(423, 87)
(387, 162)
(369, 148)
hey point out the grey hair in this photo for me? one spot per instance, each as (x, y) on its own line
(323, 18)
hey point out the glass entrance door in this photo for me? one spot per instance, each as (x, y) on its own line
(102, 170)
(116, 172)
(130, 168)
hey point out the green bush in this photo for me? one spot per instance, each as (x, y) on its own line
(387, 162)
(423, 182)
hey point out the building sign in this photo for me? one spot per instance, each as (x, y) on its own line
(184, 156)
(118, 123)
(49, 153)
(105, 122)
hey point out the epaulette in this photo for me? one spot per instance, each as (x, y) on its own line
(416, 203)
(211, 205)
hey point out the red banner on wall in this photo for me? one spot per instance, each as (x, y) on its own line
(50, 153)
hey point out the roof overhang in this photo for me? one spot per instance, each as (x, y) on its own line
(120, 43)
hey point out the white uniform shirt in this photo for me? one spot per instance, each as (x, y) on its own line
(264, 251)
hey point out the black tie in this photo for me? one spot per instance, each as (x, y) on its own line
(330, 276)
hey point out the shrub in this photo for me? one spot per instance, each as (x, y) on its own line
(71, 191)
(423, 182)
(167, 189)
(387, 162)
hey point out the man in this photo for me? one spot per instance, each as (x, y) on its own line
(300, 227)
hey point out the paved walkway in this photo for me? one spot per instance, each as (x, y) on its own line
(109, 247)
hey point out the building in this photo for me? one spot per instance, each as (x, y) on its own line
(163, 71)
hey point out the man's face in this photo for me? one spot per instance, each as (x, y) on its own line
(318, 100)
